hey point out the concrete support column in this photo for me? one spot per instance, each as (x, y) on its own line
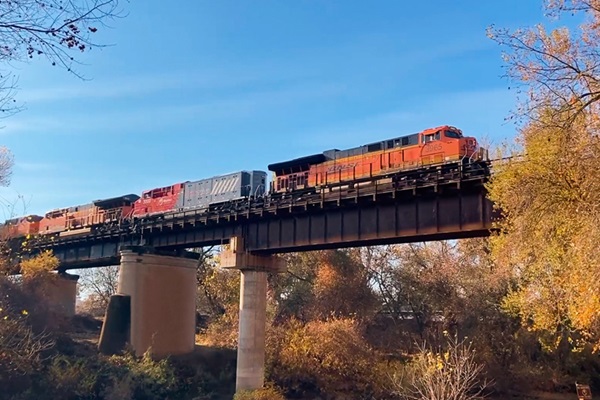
(163, 302)
(250, 372)
(61, 294)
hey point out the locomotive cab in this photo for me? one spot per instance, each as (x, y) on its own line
(445, 133)
(447, 143)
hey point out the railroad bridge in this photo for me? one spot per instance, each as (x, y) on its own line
(416, 208)
(161, 287)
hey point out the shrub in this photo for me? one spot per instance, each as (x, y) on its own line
(266, 393)
(142, 378)
(223, 331)
(442, 373)
(325, 358)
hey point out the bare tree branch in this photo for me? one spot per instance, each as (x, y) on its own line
(54, 29)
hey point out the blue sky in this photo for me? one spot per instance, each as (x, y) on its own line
(188, 92)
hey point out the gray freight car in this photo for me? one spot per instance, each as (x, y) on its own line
(223, 188)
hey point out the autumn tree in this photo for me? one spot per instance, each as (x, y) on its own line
(293, 290)
(556, 69)
(52, 29)
(218, 288)
(25, 322)
(549, 195)
(325, 359)
(548, 237)
(341, 286)
(322, 284)
(218, 300)
(439, 284)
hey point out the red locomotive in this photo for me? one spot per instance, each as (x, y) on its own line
(158, 200)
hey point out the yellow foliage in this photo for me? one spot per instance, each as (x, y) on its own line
(549, 235)
(439, 374)
(39, 265)
(330, 357)
(266, 393)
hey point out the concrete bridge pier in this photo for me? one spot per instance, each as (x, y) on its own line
(61, 294)
(163, 301)
(250, 371)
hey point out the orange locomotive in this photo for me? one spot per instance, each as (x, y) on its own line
(21, 226)
(441, 145)
(80, 219)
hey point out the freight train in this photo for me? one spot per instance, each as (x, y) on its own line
(437, 149)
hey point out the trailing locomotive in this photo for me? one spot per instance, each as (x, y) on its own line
(436, 146)
(20, 226)
(436, 149)
(201, 194)
(80, 219)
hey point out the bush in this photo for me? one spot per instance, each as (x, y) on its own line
(39, 360)
(267, 393)
(223, 331)
(442, 373)
(324, 358)
(143, 379)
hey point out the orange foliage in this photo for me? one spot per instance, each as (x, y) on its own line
(329, 358)
(341, 287)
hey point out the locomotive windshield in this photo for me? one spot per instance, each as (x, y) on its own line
(452, 134)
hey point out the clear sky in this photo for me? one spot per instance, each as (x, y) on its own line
(192, 89)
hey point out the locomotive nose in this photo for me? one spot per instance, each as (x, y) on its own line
(471, 143)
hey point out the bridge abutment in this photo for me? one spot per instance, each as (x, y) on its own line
(250, 371)
(163, 302)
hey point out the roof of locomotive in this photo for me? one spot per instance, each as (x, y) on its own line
(28, 218)
(308, 160)
(116, 201)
